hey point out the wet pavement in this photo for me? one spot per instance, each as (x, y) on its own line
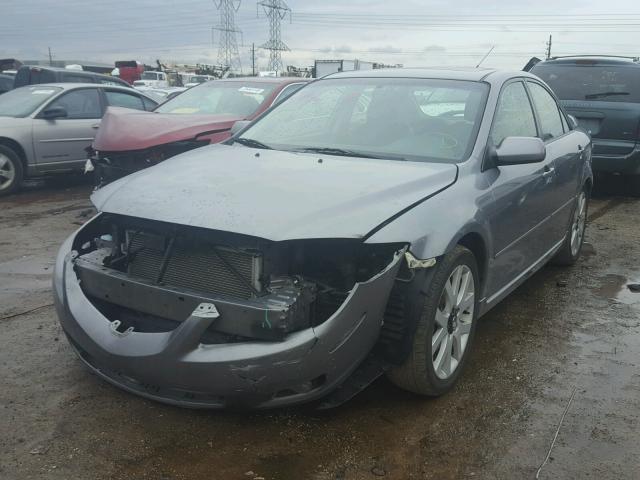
(566, 331)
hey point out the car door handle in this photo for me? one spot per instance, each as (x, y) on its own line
(95, 125)
(548, 171)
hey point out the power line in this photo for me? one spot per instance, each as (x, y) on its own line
(276, 11)
(228, 55)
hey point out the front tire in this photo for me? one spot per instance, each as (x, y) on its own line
(11, 171)
(570, 250)
(445, 329)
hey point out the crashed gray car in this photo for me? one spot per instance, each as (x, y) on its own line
(360, 227)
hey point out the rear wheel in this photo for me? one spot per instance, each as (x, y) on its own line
(445, 329)
(11, 171)
(570, 250)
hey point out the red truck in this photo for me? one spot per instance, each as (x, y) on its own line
(130, 70)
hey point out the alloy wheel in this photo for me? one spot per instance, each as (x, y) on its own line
(579, 223)
(7, 172)
(453, 321)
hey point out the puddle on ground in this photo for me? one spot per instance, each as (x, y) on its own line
(616, 287)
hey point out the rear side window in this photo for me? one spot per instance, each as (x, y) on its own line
(79, 104)
(514, 117)
(75, 78)
(126, 100)
(605, 83)
(548, 112)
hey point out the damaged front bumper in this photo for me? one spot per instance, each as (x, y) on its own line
(176, 367)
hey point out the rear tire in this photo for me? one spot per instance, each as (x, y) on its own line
(445, 329)
(570, 250)
(11, 171)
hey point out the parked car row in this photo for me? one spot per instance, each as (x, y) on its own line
(49, 128)
(361, 226)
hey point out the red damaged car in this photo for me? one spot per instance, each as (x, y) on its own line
(130, 140)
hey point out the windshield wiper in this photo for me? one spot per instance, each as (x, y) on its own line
(604, 94)
(251, 143)
(344, 153)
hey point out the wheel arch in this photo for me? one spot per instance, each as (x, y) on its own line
(475, 242)
(16, 147)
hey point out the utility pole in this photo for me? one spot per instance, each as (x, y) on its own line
(228, 55)
(276, 11)
(549, 47)
(50, 58)
(253, 59)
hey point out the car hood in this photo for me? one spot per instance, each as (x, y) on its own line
(13, 123)
(123, 129)
(273, 194)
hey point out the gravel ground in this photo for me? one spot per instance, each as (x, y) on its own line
(567, 337)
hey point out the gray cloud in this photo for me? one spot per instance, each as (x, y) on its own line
(145, 30)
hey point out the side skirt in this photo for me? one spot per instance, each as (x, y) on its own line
(493, 300)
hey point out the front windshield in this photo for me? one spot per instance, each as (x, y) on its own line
(392, 118)
(235, 98)
(22, 102)
(149, 76)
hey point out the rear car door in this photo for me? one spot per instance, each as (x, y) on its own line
(61, 144)
(521, 194)
(565, 150)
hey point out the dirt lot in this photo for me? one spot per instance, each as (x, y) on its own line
(565, 331)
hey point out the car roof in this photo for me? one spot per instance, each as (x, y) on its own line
(441, 73)
(59, 69)
(592, 60)
(73, 85)
(276, 80)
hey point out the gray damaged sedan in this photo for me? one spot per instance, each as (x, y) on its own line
(360, 227)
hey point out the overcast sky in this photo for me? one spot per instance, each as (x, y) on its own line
(411, 32)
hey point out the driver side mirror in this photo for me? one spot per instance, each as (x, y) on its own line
(518, 150)
(239, 125)
(53, 113)
(573, 122)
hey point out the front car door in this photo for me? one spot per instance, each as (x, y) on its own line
(519, 217)
(61, 143)
(563, 147)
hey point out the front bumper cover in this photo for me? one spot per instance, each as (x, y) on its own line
(176, 368)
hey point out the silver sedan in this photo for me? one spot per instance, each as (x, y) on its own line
(46, 128)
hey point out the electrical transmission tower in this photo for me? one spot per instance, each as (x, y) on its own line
(228, 55)
(276, 11)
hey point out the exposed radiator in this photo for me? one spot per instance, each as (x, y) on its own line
(196, 266)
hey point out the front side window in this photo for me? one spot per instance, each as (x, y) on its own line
(125, 100)
(387, 118)
(80, 104)
(233, 98)
(514, 117)
(22, 102)
(548, 112)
